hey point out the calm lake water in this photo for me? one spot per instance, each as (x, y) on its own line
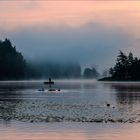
(82, 110)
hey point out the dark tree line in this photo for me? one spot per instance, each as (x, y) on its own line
(90, 73)
(12, 63)
(13, 66)
(59, 70)
(127, 67)
(54, 70)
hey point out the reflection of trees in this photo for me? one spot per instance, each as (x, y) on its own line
(90, 86)
(10, 94)
(127, 93)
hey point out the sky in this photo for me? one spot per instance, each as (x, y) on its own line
(89, 32)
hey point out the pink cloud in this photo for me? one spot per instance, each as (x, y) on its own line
(125, 14)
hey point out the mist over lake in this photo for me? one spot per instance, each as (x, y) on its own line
(79, 101)
(69, 70)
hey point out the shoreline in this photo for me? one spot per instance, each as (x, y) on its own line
(110, 79)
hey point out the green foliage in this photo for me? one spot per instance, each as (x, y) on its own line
(126, 67)
(12, 63)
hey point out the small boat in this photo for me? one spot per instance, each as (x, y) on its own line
(54, 90)
(50, 83)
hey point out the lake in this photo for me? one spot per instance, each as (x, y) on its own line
(82, 110)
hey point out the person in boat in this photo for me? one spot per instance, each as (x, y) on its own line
(50, 83)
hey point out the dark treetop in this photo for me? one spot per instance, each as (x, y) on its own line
(127, 68)
(12, 63)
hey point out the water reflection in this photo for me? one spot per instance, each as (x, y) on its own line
(7, 112)
(70, 131)
(126, 93)
(79, 100)
(127, 97)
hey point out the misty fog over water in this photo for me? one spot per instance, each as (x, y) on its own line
(92, 44)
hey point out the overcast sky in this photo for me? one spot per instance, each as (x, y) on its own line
(88, 32)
